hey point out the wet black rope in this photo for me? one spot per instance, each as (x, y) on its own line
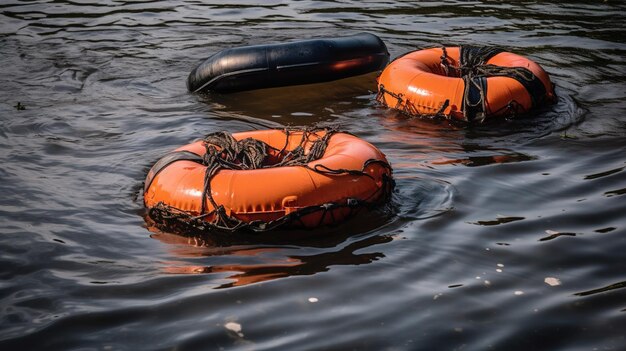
(223, 151)
(406, 107)
(445, 63)
(298, 156)
(474, 70)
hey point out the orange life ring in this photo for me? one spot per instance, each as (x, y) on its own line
(488, 84)
(351, 173)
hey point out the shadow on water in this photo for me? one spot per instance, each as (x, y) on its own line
(434, 144)
(296, 105)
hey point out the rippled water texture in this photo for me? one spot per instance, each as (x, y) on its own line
(506, 237)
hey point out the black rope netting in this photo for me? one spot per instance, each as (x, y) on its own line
(223, 151)
(474, 71)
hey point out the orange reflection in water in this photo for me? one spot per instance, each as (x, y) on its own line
(254, 262)
(418, 142)
(432, 143)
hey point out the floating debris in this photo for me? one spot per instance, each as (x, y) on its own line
(552, 281)
(235, 328)
(518, 292)
(313, 299)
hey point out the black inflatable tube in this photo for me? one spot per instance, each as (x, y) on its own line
(293, 63)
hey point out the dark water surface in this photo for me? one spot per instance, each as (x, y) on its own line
(505, 237)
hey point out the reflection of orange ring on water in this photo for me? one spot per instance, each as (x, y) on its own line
(430, 82)
(351, 172)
